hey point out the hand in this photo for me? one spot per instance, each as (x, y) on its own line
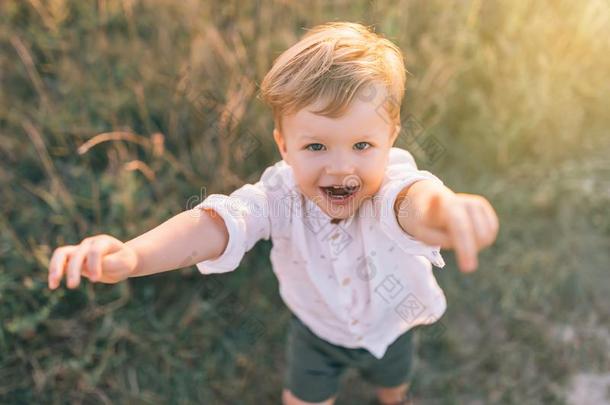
(464, 222)
(99, 258)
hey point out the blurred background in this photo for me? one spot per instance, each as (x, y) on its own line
(117, 114)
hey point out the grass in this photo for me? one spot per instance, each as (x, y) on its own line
(512, 93)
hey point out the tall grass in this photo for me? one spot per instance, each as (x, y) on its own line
(115, 115)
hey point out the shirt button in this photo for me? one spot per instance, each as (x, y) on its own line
(354, 322)
(335, 236)
(345, 281)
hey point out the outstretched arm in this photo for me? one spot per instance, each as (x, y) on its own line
(435, 215)
(188, 238)
(185, 239)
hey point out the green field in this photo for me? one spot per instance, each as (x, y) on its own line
(511, 102)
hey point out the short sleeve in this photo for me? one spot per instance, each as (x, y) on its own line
(402, 172)
(246, 215)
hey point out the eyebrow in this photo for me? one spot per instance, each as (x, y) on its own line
(310, 137)
(317, 138)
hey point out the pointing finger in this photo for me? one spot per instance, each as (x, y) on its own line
(480, 227)
(463, 239)
(492, 219)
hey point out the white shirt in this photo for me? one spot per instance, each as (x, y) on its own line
(359, 283)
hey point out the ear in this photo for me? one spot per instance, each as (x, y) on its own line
(395, 134)
(280, 142)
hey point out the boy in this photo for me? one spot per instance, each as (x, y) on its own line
(354, 224)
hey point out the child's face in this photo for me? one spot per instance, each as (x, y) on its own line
(349, 150)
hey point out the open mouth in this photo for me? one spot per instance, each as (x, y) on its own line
(340, 193)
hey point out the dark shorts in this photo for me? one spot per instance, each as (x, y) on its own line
(315, 366)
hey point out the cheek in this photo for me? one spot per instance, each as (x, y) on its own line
(372, 172)
(372, 182)
(305, 175)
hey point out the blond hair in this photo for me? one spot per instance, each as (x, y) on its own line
(333, 62)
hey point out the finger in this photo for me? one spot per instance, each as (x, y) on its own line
(75, 266)
(489, 216)
(57, 265)
(481, 228)
(463, 239)
(98, 248)
(492, 219)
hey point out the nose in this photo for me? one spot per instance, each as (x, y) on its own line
(339, 164)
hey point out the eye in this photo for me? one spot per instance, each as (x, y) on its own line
(362, 145)
(314, 147)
